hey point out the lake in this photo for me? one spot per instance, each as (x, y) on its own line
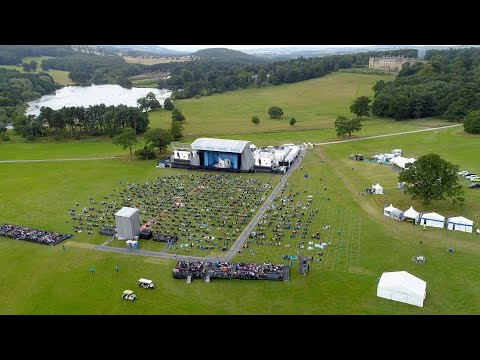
(94, 95)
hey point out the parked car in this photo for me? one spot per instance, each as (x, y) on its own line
(470, 176)
(477, 179)
(474, 185)
(129, 295)
(463, 173)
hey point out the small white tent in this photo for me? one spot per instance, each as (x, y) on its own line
(460, 223)
(377, 189)
(433, 219)
(387, 210)
(397, 214)
(412, 214)
(402, 286)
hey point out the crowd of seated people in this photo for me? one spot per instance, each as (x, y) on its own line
(224, 270)
(33, 235)
(209, 210)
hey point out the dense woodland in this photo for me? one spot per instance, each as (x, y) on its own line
(17, 88)
(13, 54)
(87, 69)
(448, 86)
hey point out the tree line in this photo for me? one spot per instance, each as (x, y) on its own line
(73, 121)
(86, 69)
(17, 88)
(203, 78)
(13, 54)
(446, 86)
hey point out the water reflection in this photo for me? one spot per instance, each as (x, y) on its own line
(94, 95)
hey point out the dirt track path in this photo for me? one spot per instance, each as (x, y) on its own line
(386, 135)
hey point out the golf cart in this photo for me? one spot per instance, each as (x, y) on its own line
(146, 284)
(129, 295)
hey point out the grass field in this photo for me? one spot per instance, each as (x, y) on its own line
(59, 76)
(314, 103)
(48, 280)
(59, 150)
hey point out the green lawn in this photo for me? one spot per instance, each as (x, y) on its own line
(39, 195)
(314, 103)
(48, 280)
(59, 150)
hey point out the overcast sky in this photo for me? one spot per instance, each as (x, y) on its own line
(245, 47)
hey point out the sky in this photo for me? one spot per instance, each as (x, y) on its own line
(245, 47)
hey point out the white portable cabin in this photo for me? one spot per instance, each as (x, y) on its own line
(432, 219)
(460, 223)
(182, 154)
(127, 222)
(292, 155)
(403, 287)
(264, 157)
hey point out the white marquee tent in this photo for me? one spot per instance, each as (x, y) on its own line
(412, 214)
(377, 189)
(387, 210)
(402, 162)
(433, 219)
(460, 223)
(403, 287)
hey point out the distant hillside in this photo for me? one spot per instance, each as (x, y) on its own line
(13, 54)
(144, 50)
(224, 54)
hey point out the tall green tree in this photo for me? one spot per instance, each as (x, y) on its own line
(149, 103)
(275, 112)
(471, 122)
(177, 115)
(158, 138)
(361, 106)
(126, 139)
(293, 121)
(176, 129)
(344, 126)
(168, 104)
(432, 178)
(255, 120)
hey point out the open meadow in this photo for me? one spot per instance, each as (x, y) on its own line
(325, 190)
(59, 76)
